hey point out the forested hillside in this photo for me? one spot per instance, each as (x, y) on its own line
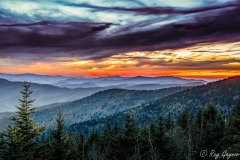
(224, 94)
(101, 104)
(98, 105)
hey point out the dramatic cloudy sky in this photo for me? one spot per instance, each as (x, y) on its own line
(187, 38)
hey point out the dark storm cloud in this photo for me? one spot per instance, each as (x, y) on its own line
(97, 40)
(152, 10)
(50, 34)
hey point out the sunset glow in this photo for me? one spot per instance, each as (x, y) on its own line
(165, 38)
(205, 60)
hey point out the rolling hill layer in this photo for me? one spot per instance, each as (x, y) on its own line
(98, 105)
(43, 93)
(224, 94)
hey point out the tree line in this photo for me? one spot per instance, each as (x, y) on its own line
(190, 137)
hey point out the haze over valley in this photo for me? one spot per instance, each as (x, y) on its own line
(55, 89)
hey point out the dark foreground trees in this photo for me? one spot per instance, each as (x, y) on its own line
(232, 141)
(181, 139)
(20, 139)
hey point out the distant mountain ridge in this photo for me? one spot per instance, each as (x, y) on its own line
(108, 81)
(224, 94)
(132, 81)
(43, 93)
(159, 86)
(62, 89)
(34, 78)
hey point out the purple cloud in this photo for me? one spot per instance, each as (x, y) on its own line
(89, 40)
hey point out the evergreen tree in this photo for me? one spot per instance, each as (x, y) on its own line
(146, 143)
(235, 120)
(117, 129)
(152, 137)
(232, 140)
(60, 140)
(162, 142)
(131, 137)
(79, 146)
(96, 146)
(107, 134)
(183, 119)
(82, 146)
(116, 150)
(209, 138)
(199, 118)
(21, 137)
(94, 139)
(210, 113)
(169, 122)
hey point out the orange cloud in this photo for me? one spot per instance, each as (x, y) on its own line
(204, 60)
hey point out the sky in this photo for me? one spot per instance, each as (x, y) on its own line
(184, 38)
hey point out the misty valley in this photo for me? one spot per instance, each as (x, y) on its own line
(118, 118)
